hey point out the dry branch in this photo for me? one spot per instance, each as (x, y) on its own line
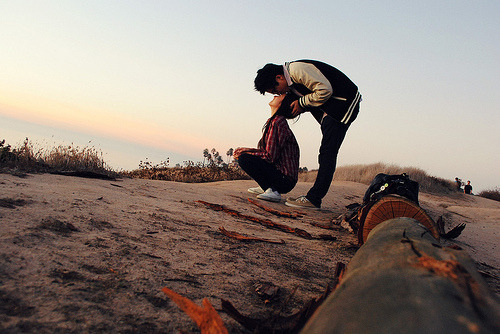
(206, 317)
(339, 272)
(273, 211)
(265, 222)
(323, 226)
(453, 233)
(238, 236)
(276, 323)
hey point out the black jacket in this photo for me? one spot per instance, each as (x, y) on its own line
(323, 89)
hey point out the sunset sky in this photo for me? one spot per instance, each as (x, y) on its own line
(166, 79)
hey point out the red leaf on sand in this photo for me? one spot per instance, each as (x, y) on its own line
(206, 317)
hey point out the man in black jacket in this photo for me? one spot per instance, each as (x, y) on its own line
(330, 96)
(468, 188)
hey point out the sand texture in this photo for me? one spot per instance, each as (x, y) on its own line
(89, 255)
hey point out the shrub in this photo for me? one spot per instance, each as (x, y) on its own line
(493, 194)
(190, 173)
(61, 158)
(213, 168)
(6, 155)
(366, 173)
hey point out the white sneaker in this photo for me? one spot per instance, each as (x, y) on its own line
(270, 195)
(256, 190)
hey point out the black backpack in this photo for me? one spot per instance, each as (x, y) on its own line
(383, 185)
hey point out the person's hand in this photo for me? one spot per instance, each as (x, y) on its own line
(238, 152)
(296, 108)
(241, 150)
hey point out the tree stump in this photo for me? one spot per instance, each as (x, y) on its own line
(403, 281)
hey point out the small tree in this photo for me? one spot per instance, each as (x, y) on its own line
(229, 154)
(205, 155)
(215, 158)
(219, 160)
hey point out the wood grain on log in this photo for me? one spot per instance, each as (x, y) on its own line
(393, 207)
(403, 281)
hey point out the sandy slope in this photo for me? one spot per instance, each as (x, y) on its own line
(482, 216)
(92, 255)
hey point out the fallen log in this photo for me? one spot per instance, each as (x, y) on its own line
(389, 207)
(403, 281)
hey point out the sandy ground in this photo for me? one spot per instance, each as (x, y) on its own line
(87, 255)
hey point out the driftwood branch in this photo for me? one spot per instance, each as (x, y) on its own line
(206, 317)
(276, 323)
(264, 222)
(241, 237)
(339, 272)
(451, 234)
(323, 226)
(275, 212)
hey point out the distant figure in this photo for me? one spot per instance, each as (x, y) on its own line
(458, 183)
(468, 188)
(274, 164)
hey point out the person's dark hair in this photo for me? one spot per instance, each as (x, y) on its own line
(284, 110)
(266, 77)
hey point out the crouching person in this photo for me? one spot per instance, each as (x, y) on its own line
(274, 164)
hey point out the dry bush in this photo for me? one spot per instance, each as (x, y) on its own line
(191, 173)
(213, 168)
(493, 194)
(22, 158)
(366, 173)
(27, 158)
(75, 158)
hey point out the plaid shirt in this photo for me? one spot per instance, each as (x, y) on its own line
(280, 148)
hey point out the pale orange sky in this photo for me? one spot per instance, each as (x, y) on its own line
(103, 123)
(179, 77)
